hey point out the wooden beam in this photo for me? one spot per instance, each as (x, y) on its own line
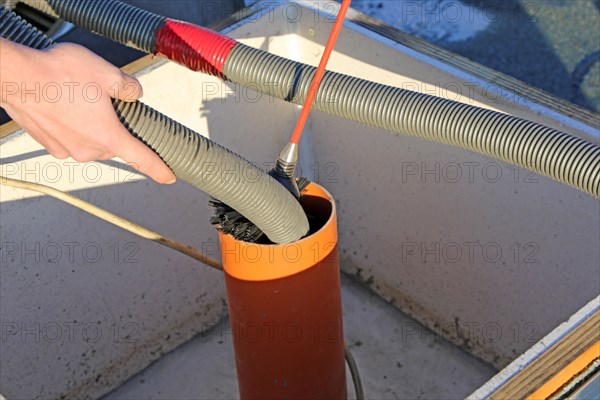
(550, 363)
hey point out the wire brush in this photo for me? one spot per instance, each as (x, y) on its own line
(229, 221)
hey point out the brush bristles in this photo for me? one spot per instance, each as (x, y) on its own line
(235, 224)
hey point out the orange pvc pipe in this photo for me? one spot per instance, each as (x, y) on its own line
(286, 313)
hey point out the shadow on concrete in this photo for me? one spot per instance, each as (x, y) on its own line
(513, 44)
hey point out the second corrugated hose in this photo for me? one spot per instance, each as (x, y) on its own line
(563, 157)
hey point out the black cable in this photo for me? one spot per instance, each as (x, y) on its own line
(358, 388)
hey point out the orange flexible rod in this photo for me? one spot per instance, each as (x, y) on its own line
(314, 86)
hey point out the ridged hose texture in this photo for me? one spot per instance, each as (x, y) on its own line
(206, 165)
(219, 172)
(558, 155)
(115, 20)
(14, 28)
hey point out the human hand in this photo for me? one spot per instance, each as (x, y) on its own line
(62, 97)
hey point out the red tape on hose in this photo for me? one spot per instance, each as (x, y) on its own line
(197, 48)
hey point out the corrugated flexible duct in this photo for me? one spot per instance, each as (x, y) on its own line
(194, 158)
(549, 152)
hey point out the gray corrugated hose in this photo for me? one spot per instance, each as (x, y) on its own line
(558, 155)
(549, 152)
(196, 159)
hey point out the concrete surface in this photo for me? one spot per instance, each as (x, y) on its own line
(550, 44)
(382, 209)
(84, 304)
(415, 222)
(398, 359)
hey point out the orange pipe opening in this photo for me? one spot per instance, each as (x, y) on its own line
(285, 310)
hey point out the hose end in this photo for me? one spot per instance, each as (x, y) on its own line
(285, 168)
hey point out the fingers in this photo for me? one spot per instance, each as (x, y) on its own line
(142, 158)
(113, 81)
(87, 130)
(131, 89)
(119, 85)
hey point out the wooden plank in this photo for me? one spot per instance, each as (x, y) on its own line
(141, 63)
(8, 128)
(565, 375)
(552, 361)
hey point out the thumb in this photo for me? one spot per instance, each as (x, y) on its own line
(130, 89)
